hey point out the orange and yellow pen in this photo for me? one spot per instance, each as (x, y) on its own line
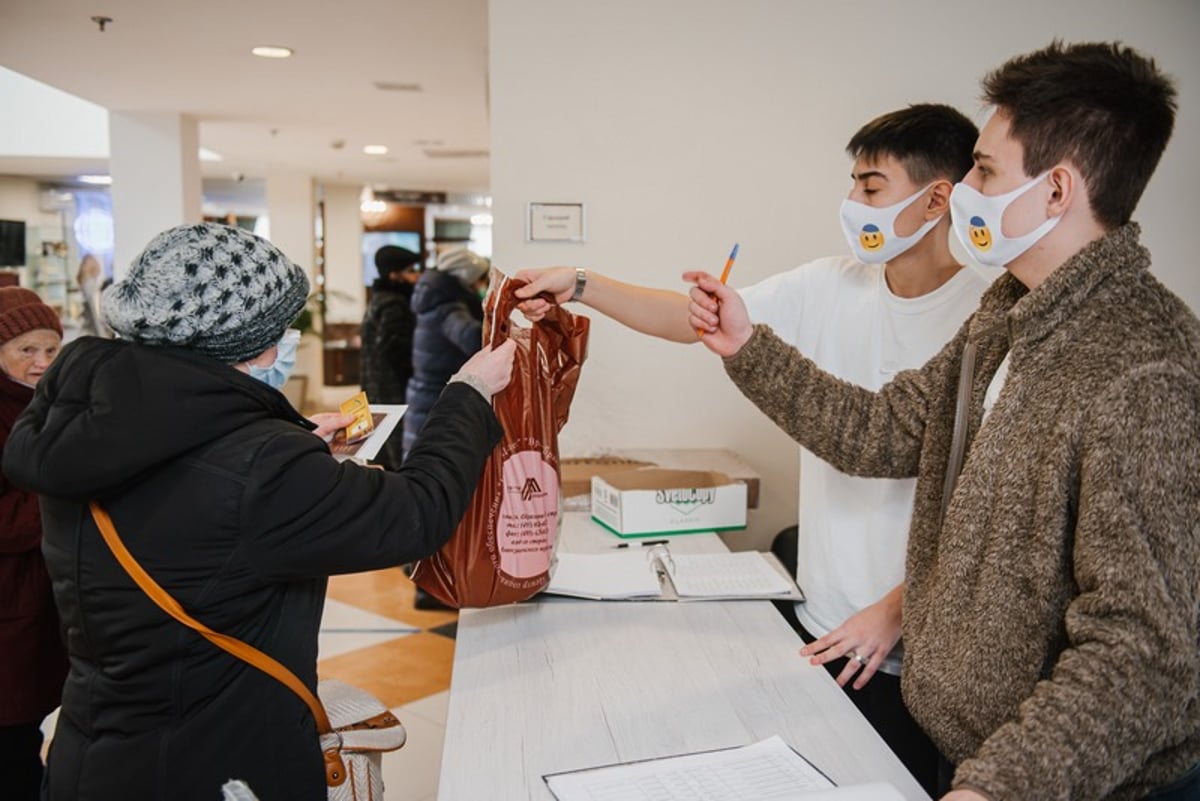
(724, 276)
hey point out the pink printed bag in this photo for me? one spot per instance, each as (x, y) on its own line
(501, 551)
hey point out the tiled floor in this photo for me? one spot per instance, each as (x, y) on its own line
(372, 637)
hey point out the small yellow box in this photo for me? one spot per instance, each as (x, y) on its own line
(363, 423)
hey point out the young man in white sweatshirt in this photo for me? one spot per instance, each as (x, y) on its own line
(889, 307)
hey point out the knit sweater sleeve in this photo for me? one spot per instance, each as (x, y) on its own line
(1127, 685)
(863, 433)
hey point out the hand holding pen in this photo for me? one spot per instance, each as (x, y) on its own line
(724, 277)
(718, 313)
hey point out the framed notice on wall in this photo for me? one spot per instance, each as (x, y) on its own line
(555, 222)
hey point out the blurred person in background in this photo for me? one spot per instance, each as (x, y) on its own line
(35, 661)
(387, 337)
(448, 303)
(91, 279)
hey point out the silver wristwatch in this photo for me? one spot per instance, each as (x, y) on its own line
(580, 283)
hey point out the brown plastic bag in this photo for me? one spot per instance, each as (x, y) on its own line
(501, 551)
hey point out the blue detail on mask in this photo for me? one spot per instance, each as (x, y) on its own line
(277, 374)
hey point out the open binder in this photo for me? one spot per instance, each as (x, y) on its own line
(655, 574)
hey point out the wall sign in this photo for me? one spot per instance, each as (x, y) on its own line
(555, 222)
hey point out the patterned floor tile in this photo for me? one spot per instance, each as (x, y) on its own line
(388, 593)
(447, 629)
(434, 708)
(398, 671)
(413, 772)
(346, 628)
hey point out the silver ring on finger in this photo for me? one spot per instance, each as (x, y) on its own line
(860, 659)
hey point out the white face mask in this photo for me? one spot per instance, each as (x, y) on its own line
(871, 231)
(976, 219)
(277, 373)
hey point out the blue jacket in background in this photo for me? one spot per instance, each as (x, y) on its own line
(449, 331)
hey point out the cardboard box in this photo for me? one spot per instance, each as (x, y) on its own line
(649, 501)
(577, 472)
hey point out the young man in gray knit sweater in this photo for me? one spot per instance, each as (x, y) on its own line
(1053, 570)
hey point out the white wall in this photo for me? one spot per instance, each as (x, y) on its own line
(343, 254)
(687, 125)
(20, 199)
(44, 122)
(156, 179)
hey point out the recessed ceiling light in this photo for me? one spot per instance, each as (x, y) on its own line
(98, 180)
(210, 155)
(271, 51)
(375, 150)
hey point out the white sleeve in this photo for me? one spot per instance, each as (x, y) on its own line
(780, 300)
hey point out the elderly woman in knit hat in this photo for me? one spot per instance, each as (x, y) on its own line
(217, 488)
(34, 662)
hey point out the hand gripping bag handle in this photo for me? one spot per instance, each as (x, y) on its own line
(558, 329)
(502, 301)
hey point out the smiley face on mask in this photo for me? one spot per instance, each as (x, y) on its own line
(871, 238)
(871, 230)
(981, 235)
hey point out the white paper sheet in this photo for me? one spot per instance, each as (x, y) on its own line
(768, 770)
(742, 574)
(620, 574)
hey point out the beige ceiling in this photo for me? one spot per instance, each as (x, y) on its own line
(264, 114)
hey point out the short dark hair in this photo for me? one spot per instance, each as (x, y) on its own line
(931, 141)
(1104, 107)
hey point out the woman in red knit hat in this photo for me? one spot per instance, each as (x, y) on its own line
(35, 662)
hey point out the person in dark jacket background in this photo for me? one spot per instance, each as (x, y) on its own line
(387, 336)
(219, 489)
(449, 308)
(34, 662)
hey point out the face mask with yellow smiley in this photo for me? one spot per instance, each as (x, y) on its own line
(976, 218)
(871, 230)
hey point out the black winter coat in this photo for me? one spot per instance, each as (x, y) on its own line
(449, 331)
(387, 341)
(219, 489)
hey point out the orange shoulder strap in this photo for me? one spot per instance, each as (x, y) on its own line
(335, 773)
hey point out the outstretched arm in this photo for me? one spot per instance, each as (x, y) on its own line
(658, 312)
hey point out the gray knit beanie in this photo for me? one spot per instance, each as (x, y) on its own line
(215, 289)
